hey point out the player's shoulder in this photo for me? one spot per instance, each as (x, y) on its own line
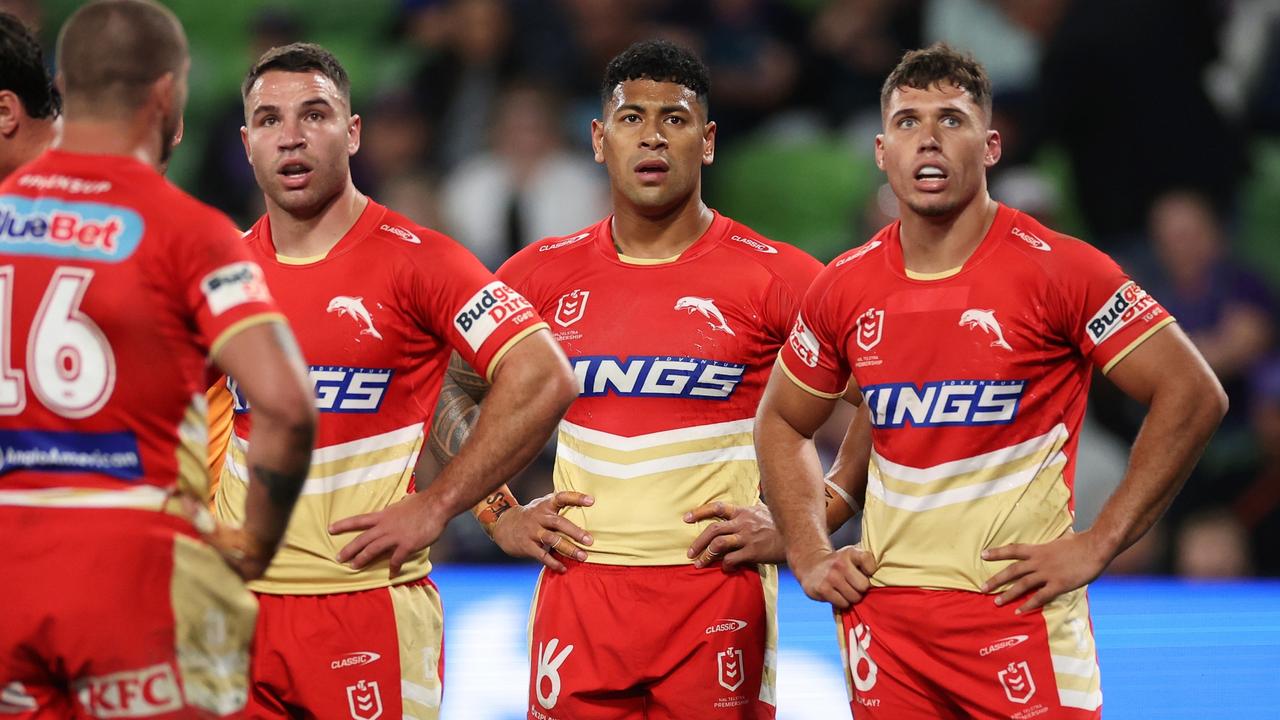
(549, 251)
(776, 256)
(400, 239)
(862, 257)
(1053, 252)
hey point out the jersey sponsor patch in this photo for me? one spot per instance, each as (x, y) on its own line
(804, 343)
(401, 233)
(131, 694)
(487, 310)
(73, 230)
(338, 389)
(1125, 305)
(656, 376)
(562, 243)
(233, 285)
(944, 402)
(114, 454)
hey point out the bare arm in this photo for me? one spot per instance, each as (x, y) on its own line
(532, 387)
(265, 361)
(846, 481)
(792, 478)
(1185, 404)
(533, 529)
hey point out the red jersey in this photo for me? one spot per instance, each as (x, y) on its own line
(115, 287)
(376, 318)
(976, 381)
(671, 357)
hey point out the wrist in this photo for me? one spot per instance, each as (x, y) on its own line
(802, 559)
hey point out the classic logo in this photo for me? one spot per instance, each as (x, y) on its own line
(14, 699)
(727, 625)
(571, 307)
(354, 659)
(1125, 305)
(729, 669)
(707, 308)
(402, 233)
(355, 309)
(549, 669)
(804, 343)
(859, 640)
(1031, 240)
(986, 321)
(1016, 680)
(233, 285)
(755, 244)
(562, 243)
(1002, 644)
(133, 693)
(870, 328)
(364, 700)
(855, 254)
(492, 306)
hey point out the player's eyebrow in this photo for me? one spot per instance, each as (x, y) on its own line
(662, 110)
(947, 109)
(265, 109)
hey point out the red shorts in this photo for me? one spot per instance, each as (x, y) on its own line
(913, 654)
(609, 641)
(118, 613)
(360, 655)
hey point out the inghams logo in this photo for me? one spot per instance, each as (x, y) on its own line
(649, 376)
(945, 402)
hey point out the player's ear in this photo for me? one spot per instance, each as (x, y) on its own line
(353, 135)
(165, 94)
(244, 140)
(597, 140)
(994, 149)
(709, 143)
(880, 151)
(11, 112)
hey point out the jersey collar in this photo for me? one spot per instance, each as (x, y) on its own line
(718, 229)
(363, 227)
(998, 231)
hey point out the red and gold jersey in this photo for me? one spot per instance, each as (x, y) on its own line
(376, 318)
(671, 357)
(115, 287)
(976, 381)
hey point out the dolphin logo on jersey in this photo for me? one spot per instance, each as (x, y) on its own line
(354, 306)
(985, 319)
(707, 307)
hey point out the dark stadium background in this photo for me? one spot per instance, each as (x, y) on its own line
(1149, 128)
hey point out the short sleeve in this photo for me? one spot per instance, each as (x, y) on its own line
(814, 356)
(460, 300)
(224, 289)
(792, 278)
(1105, 314)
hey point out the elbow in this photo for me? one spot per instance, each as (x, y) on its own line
(1218, 403)
(561, 388)
(292, 413)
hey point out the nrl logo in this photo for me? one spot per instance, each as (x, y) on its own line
(870, 328)
(572, 307)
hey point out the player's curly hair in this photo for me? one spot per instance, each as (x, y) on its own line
(661, 61)
(24, 73)
(299, 57)
(939, 64)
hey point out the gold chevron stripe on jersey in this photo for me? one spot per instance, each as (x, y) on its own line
(347, 479)
(644, 485)
(919, 522)
(1071, 646)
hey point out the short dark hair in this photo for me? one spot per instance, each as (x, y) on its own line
(939, 64)
(111, 51)
(660, 61)
(299, 57)
(25, 74)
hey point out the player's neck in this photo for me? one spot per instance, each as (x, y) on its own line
(26, 145)
(660, 235)
(316, 234)
(934, 245)
(123, 138)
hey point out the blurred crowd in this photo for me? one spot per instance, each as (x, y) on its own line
(1149, 128)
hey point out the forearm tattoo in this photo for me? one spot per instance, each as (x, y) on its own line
(456, 415)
